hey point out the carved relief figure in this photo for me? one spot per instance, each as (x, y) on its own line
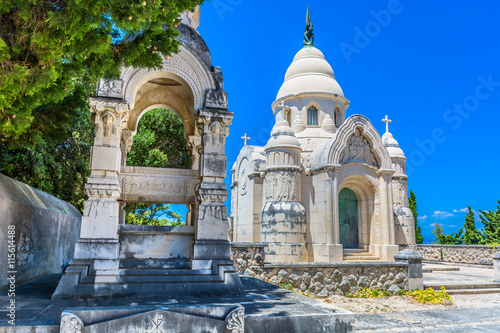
(358, 149)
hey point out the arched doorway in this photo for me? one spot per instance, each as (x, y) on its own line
(348, 218)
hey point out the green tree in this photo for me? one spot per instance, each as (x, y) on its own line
(437, 231)
(157, 214)
(159, 143)
(471, 235)
(413, 207)
(491, 222)
(58, 162)
(455, 238)
(442, 238)
(45, 45)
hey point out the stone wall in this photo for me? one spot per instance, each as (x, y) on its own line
(320, 279)
(464, 254)
(45, 227)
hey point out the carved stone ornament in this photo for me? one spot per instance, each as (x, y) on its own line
(216, 99)
(282, 186)
(358, 150)
(399, 193)
(243, 182)
(235, 320)
(70, 323)
(111, 88)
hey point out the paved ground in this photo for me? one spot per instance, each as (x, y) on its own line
(266, 306)
(483, 315)
(465, 275)
(480, 314)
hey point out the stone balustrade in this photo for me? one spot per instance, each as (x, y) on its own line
(464, 254)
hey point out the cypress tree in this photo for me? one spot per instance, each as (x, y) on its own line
(413, 207)
(472, 235)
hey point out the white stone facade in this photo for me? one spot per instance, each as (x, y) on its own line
(286, 194)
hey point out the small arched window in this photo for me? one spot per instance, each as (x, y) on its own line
(312, 116)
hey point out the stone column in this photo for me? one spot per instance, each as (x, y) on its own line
(414, 261)
(211, 228)
(98, 236)
(387, 248)
(496, 266)
(283, 218)
(97, 249)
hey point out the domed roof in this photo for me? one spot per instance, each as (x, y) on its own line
(282, 136)
(309, 72)
(392, 146)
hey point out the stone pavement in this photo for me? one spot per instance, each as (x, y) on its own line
(463, 275)
(451, 320)
(268, 308)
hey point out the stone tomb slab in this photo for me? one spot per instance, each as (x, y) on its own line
(266, 308)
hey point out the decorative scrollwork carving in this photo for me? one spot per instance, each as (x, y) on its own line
(70, 323)
(235, 320)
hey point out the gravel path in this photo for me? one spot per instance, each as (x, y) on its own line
(405, 304)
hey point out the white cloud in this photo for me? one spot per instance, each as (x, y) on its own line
(438, 214)
(461, 210)
(423, 217)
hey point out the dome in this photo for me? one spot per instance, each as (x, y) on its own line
(309, 72)
(392, 146)
(282, 136)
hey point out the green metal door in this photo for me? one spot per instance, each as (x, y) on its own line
(348, 218)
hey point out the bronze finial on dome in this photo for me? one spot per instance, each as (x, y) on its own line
(308, 34)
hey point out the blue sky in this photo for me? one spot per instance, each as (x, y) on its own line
(432, 66)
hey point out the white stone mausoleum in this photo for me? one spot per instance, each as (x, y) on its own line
(325, 187)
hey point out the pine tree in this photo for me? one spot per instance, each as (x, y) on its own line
(491, 221)
(472, 235)
(438, 232)
(44, 45)
(413, 207)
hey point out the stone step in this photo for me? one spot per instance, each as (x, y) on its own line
(353, 250)
(131, 279)
(362, 254)
(464, 286)
(164, 272)
(154, 263)
(473, 291)
(441, 269)
(362, 258)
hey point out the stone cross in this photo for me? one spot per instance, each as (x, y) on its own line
(245, 137)
(283, 108)
(386, 120)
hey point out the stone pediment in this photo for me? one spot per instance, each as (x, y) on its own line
(358, 150)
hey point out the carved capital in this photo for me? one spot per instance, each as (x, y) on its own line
(110, 117)
(102, 191)
(207, 194)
